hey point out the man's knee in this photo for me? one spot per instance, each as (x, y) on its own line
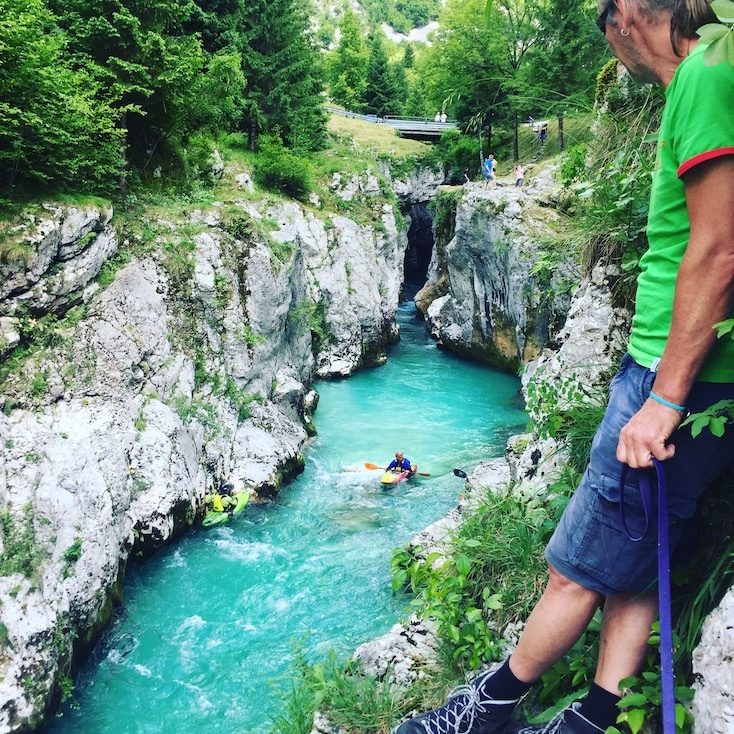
(560, 584)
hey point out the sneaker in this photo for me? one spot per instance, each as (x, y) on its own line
(469, 710)
(569, 721)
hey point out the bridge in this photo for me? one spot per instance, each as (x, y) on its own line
(416, 128)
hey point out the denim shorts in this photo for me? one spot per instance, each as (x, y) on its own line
(590, 546)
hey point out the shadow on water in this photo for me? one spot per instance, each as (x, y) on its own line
(206, 635)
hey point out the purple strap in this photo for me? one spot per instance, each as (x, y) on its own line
(664, 597)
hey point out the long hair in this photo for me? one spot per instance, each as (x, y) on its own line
(686, 17)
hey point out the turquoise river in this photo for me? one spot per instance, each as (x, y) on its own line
(205, 640)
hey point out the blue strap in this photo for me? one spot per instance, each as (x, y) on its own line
(664, 596)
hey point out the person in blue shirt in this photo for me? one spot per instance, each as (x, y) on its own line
(400, 463)
(489, 168)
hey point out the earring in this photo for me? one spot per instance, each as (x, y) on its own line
(624, 32)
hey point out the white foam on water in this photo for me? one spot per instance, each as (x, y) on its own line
(246, 626)
(142, 670)
(176, 560)
(194, 622)
(248, 552)
(202, 700)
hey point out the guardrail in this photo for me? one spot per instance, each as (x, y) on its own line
(417, 123)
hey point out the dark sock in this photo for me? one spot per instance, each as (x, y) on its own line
(600, 707)
(504, 685)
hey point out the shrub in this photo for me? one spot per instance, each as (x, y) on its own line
(457, 153)
(278, 169)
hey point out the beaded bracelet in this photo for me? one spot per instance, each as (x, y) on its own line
(667, 403)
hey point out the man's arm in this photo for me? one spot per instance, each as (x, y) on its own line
(704, 294)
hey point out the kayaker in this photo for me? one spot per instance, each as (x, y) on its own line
(400, 463)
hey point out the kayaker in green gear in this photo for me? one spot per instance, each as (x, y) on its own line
(223, 501)
(400, 463)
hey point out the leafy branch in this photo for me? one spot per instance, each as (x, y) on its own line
(719, 36)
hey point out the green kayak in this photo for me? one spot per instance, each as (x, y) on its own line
(219, 517)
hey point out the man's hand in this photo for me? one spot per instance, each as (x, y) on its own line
(646, 435)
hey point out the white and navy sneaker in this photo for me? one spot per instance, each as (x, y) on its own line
(469, 710)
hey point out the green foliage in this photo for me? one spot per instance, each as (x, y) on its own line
(382, 92)
(573, 166)
(39, 384)
(493, 578)
(352, 699)
(250, 336)
(66, 687)
(443, 210)
(717, 416)
(284, 74)
(71, 555)
(348, 64)
(310, 315)
(642, 697)
(241, 400)
(402, 15)
(719, 36)
(280, 170)
(200, 411)
(55, 124)
(21, 551)
(457, 153)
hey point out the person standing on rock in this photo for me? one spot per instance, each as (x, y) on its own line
(489, 168)
(519, 175)
(686, 285)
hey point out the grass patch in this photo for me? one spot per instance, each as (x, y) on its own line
(349, 697)
(378, 139)
(494, 576)
(21, 553)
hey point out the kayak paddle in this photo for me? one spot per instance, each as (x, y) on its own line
(375, 466)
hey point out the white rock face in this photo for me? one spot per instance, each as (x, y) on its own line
(62, 250)
(489, 304)
(419, 186)
(354, 273)
(713, 668)
(402, 654)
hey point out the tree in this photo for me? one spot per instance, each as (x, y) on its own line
(284, 74)
(562, 68)
(348, 64)
(381, 94)
(466, 68)
(144, 61)
(55, 126)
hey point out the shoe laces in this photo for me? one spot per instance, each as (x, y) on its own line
(558, 724)
(466, 705)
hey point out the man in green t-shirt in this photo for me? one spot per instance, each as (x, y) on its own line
(686, 286)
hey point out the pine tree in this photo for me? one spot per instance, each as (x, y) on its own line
(284, 75)
(381, 93)
(348, 64)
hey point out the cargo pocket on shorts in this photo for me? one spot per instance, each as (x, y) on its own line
(606, 551)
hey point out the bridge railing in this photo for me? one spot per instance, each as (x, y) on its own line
(392, 120)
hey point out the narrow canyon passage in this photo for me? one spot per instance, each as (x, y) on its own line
(206, 637)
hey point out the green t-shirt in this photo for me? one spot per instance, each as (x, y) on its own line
(697, 125)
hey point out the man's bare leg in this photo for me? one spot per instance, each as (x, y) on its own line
(624, 634)
(558, 620)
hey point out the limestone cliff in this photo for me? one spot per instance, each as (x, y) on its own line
(491, 294)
